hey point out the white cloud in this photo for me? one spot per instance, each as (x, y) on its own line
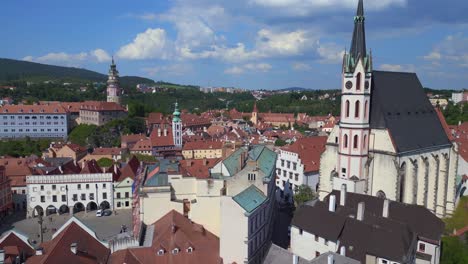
(452, 50)
(71, 59)
(175, 69)
(250, 67)
(398, 67)
(150, 44)
(434, 55)
(300, 66)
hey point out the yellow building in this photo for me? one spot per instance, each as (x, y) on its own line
(203, 150)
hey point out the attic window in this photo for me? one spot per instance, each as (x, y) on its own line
(160, 252)
(175, 251)
(189, 249)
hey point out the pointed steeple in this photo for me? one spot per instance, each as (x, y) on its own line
(358, 44)
(255, 108)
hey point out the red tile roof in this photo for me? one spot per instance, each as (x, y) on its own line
(101, 106)
(174, 231)
(198, 168)
(142, 145)
(132, 138)
(193, 145)
(15, 245)
(107, 151)
(444, 124)
(189, 120)
(33, 109)
(309, 150)
(130, 169)
(161, 141)
(91, 166)
(89, 248)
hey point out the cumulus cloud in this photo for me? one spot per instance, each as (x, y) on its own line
(452, 50)
(71, 59)
(250, 67)
(150, 44)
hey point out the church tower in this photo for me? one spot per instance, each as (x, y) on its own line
(254, 118)
(355, 104)
(113, 84)
(177, 127)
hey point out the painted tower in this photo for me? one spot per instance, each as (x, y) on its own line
(113, 84)
(355, 104)
(254, 118)
(177, 127)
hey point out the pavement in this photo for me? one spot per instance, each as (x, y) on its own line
(105, 227)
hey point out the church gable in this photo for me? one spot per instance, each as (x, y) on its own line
(399, 104)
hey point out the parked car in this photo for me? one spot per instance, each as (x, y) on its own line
(99, 213)
(107, 212)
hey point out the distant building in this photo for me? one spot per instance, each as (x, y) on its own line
(278, 255)
(460, 97)
(203, 149)
(142, 147)
(99, 113)
(6, 202)
(172, 239)
(299, 164)
(114, 154)
(440, 102)
(123, 185)
(15, 248)
(113, 85)
(34, 121)
(367, 229)
(59, 150)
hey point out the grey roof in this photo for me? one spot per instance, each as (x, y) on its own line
(431, 228)
(279, 255)
(399, 104)
(375, 235)
(358, 44)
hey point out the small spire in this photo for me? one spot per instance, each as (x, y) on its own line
(360, 9)
(113, 60)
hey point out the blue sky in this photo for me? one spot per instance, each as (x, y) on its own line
(255, 44)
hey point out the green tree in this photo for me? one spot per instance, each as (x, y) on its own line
(105, 162)
(304, 194)
(280, 143)
(454, 251)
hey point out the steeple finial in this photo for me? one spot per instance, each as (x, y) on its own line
(113, 60)
(358, 44)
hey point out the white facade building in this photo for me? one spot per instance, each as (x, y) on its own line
(34, 121)
(68, 193)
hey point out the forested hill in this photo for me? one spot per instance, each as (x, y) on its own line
(13, 70)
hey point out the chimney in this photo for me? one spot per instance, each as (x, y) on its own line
(189, 163)
(295, 259)
(386, 207)
(74, 248)
(205, 162)
(332, 203)
(39, 251)
(343, 251)
(343, 195)
(159, 132)
(330, 259)
(2, 255)
(360, 211)
(115, 168)
(60, 169)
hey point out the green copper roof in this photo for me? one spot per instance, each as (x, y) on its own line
(157, 173)
(176, 114)
(250, 198)
(232, 162)
(267, 162)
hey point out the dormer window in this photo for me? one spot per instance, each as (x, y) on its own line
(160, 252)
(175, 251)
(189, 249)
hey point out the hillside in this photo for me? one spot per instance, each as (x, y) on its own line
(12, 70)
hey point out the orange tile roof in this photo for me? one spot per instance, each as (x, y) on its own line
(89, 249)
(101, 106)
(202, 144)
(198, 168)
(161, 141)
(309, 150)
(142, 145)
(33, 109)
(174, 231)
(130, 169)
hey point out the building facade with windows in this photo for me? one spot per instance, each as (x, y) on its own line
(299, 164)
(49, 194)
(99, 113)
(34, 121)
(386, 144)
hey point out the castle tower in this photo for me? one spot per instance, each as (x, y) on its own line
(177, 127)
(355, 105)
(254, 118)
(113, 84)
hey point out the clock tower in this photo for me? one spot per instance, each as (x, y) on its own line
(355, 104)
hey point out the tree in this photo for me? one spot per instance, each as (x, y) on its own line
(280, 142)
(304, 194)
(454, 251)
(105, 162)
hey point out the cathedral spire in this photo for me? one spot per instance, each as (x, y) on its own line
(358, 44)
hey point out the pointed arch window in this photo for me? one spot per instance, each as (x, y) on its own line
(358, 82)
(347, 108)
(365, 109)
(345, 141)
(355, 141)
(356, 108)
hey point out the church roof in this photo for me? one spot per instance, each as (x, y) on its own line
(400, 105)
